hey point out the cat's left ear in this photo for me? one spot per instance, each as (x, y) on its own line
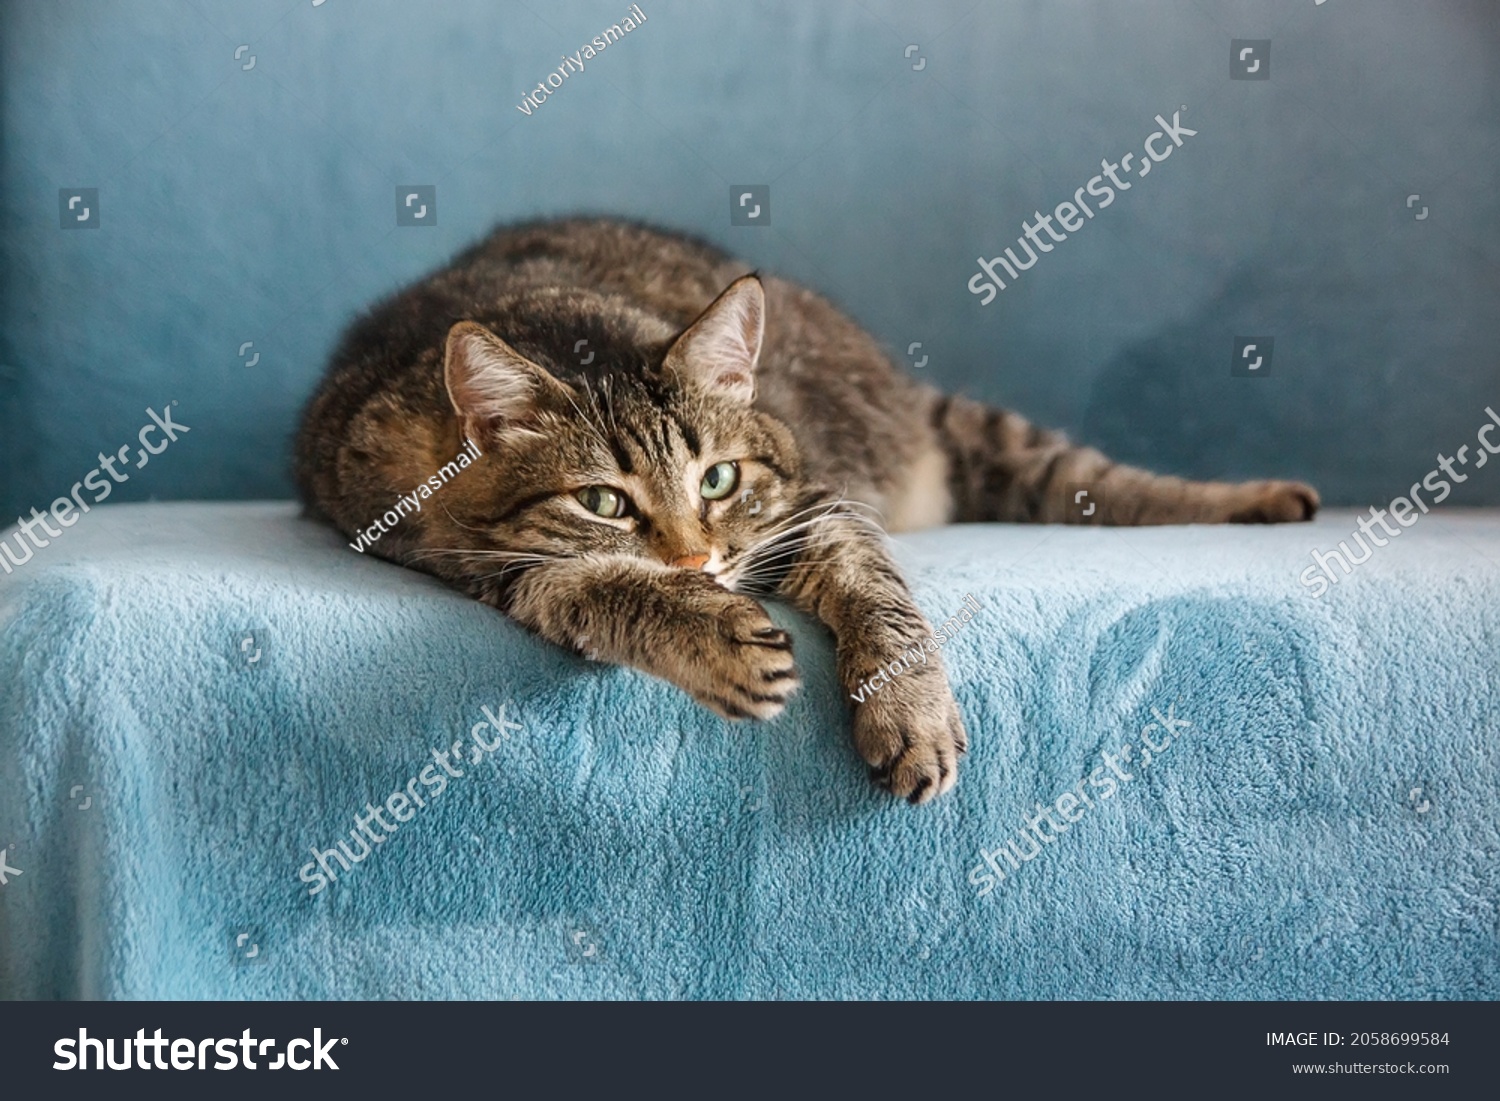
(719, 351)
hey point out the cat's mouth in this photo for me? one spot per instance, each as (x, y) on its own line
(737, 576)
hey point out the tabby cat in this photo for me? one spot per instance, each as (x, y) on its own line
(661, 434)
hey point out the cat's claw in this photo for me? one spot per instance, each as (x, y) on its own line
(745, 667)
(911, 735)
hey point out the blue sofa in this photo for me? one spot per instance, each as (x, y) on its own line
(200, 701)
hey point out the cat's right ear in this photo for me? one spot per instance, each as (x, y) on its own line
(491, 384)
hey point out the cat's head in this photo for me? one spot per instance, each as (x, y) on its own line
(663, 458)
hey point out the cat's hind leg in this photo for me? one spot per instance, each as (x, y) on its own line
(1003, 468)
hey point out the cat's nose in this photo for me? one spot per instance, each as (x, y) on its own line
(690, 561)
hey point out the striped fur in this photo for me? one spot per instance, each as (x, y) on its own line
(606, 354)
(1003, 468)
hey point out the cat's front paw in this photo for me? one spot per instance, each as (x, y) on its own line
(1275, 503)
(911, 735)
(741, 663)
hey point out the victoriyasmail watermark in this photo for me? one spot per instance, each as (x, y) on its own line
(412, 502)
(929, 645)
(1406, 511)
(538, 95)
(1072, 804)
(434, 780)
(68, 510)
(1157, 149)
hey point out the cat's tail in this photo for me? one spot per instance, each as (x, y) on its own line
(1001, 467)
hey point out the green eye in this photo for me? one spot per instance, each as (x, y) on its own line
(602, 501)
(720, 481)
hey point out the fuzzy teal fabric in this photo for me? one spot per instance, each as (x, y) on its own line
(1327, 826)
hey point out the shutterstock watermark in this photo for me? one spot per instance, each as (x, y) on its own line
(1157, 148)
(67, 510)
(1404, 510)
(319, 871)
(1072, 804)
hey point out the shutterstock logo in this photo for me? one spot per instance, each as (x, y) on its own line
(1250, 59)
(141, 1053)
(1251, 357)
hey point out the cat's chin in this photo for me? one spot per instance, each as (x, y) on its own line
(722, 578)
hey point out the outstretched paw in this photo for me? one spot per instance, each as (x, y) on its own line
(911, 735)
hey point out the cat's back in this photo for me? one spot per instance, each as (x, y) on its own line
(672, 274)
(535, 284)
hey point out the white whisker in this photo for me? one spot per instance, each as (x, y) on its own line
(476, 553)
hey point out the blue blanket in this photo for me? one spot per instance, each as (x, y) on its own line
(1189, 778)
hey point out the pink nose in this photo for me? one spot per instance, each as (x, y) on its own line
(690, 561)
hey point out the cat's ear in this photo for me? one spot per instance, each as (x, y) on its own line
(490, 383)
(719, 351)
